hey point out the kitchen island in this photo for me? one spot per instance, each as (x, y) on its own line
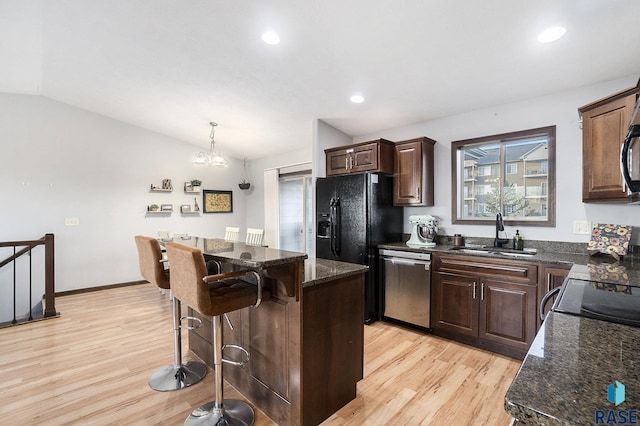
(306, 342)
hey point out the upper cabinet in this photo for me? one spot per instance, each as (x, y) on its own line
(372, 156)
(604, 126)
(413, 174)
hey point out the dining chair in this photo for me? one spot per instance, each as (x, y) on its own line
(254, 236)
(232, 233)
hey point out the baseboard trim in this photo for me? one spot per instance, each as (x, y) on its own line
(102, 287)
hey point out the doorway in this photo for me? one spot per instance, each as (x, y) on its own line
(296, 211)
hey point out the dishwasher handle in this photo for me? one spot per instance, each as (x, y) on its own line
(409, 262)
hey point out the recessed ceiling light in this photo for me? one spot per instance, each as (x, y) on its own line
(551, 34)
(271, 37)
(357, 99)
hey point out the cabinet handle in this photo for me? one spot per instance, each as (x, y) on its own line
(351, 162)
(548, 282)
(474, 289)
(482, 292)
(418, 192)
(346, 163)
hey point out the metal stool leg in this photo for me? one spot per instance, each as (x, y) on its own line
(177, 376)
(221, 411)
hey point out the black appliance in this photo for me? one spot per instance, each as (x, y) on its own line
(630, 154)
(618, 303)
(355, 213)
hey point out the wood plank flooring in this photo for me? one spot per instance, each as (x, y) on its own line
(91, 367)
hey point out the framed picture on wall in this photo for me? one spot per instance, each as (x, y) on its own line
(215, 201)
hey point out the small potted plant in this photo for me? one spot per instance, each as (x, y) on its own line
(154, 208)
(195, 185)
(244, 183)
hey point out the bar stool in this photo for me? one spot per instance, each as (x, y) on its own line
(177, 375)
(214, 295)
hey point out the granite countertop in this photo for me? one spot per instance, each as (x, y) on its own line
(548, 255)
(241, 254)
(564, 378)
(318, 271)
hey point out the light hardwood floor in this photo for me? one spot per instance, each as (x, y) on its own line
(91, 367)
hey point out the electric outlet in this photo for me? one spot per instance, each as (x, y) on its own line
(582, 227)
(71, 221)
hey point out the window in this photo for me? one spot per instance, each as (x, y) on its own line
(515, 176)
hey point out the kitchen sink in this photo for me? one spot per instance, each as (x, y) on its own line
(496, 251)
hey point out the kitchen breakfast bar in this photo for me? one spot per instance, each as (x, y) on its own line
(306, 340)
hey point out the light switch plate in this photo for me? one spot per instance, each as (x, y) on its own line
(582, 227)
(71, 221)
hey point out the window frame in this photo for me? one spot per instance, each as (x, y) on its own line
(502, 139)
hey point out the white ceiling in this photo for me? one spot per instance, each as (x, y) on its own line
(174, 65)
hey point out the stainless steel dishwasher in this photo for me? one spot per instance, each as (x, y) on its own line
(407, 286)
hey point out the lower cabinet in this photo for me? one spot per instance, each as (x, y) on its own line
(487, 304)
(551, 277)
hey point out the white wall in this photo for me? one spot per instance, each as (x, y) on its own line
(559, 109)
(255, 195)
(58, 161)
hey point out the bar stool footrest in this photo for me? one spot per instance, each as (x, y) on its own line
(234, 362)
(188, 326)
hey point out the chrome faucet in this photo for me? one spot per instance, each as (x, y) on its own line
(499, 242)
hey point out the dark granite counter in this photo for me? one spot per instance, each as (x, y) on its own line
(241, 254)
(545, 255)
(318, 271)
(565, 375)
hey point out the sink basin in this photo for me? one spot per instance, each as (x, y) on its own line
(496, 251)
(470, 250)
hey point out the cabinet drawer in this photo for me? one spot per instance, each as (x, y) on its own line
(513, 271)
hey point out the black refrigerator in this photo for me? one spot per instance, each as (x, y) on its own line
(355, 213)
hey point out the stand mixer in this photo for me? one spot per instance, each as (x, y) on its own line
(424, 230)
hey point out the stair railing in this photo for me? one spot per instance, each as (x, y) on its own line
(49, 276)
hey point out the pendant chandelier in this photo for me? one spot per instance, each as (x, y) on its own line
(213, 158)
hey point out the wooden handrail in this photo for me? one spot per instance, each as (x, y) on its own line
(49, 266)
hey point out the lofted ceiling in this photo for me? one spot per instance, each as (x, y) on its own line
(173, 66)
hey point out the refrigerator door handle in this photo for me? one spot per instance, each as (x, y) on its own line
(336, 227)
(332, 225)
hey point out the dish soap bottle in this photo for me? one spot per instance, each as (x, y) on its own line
(518, 242)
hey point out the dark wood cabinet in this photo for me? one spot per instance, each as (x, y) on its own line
(372, 156)
(551, 276)
(485, 303)
(413, 174)
(304, 363)
(604, 127)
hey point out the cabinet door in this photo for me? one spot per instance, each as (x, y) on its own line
(603, 130)
(552, 277)
(507, 313)
(456, 306)
(364, 157)
(337, 162)
(408, 176)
